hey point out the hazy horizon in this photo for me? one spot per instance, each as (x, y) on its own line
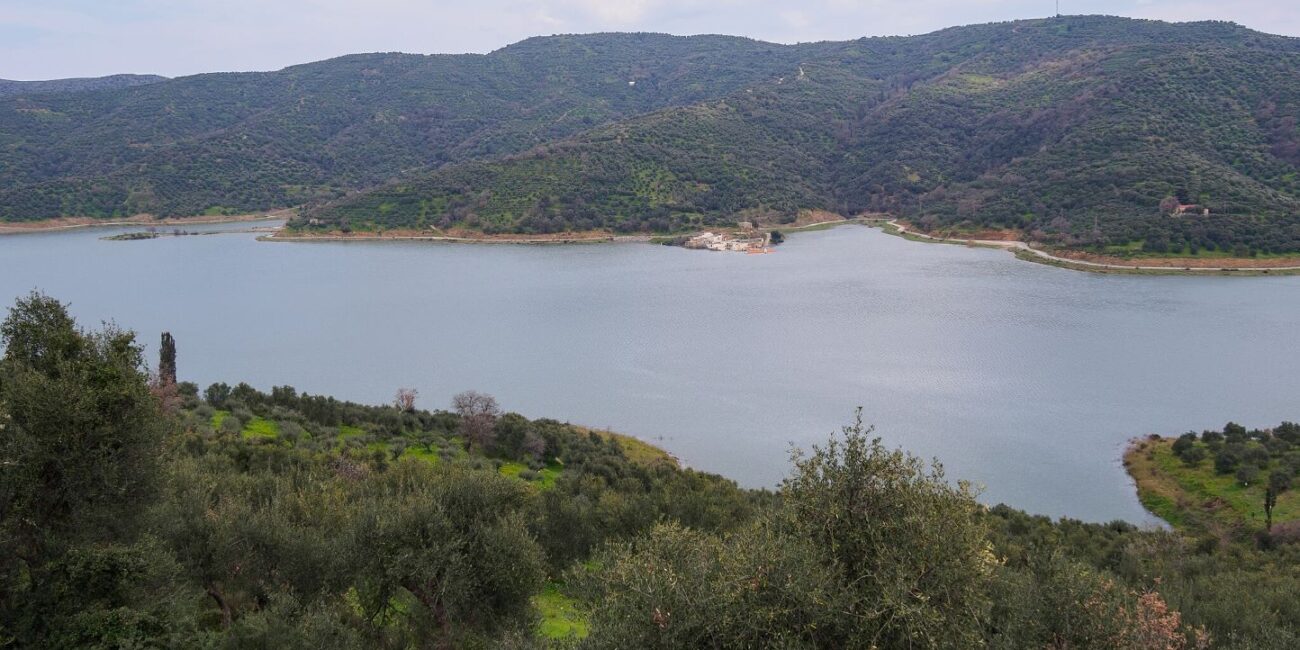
(55, 39)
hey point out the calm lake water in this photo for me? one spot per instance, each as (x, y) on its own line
(1021, 377)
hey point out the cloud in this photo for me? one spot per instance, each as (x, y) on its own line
(58, 38)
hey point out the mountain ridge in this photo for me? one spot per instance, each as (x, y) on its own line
(1073, 130)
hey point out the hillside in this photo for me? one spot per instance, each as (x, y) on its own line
(240, 142)
(10, 88)
(1072, 131)
(1103, 133)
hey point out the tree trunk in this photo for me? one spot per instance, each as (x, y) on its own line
(426, 594)
(227, 616)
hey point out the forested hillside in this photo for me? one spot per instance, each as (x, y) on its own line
(136, 512)
(1086, 132)
(1077, 131)
(240, 142)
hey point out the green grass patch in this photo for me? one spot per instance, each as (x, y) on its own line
(423, 454)
(260, 427)
(636, 450)
(512, 470)
(1164, 508)
(217, 418)
(561, 616)
(1246, 501)
(349, 431)
(546, 476)
(1196, 496)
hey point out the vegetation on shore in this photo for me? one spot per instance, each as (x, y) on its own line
(1232, 483)
(1133, 264)
(140, 512)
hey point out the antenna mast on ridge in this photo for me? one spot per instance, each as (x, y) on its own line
(1058, 8)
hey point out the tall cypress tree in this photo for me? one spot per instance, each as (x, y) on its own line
(167, 360)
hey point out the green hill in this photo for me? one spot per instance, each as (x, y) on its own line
(251, 141)
(1086, 132)
(1073, 130)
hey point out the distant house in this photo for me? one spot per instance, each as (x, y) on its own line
(1192, 208)
(722, 242)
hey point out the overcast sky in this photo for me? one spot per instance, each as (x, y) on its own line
(44, 39)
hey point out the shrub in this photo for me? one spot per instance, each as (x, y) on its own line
(1256, 456)
(1226, 461)
(1246, 474)
(232, 425)
(1184, 443)
(1193, 456)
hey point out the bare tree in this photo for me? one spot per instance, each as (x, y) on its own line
(534, 445)
(405, 399)
(478, 415)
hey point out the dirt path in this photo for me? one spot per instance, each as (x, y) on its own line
(1022, 247)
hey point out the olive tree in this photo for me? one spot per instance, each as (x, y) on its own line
(80, 437)
(456, 541)
(870, 548)
(680, 588)
(909, 545)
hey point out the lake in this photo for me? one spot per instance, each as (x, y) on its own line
(1024, 378)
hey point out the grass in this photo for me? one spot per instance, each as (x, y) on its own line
(637, 451)
(256, 428)
(546, 476)
(1196, 497)
(512, 470)
(348, 431)
(259, 427)
(561, 618)
(421, 453)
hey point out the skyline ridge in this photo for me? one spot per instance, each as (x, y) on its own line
(75, 38)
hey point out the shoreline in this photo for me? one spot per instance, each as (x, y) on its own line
(144, 221)
(1025, 251)
(454, 239)
(1020, 249)
(1196, 497)
(590, 237)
